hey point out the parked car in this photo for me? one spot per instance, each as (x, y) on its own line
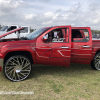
(59, 46)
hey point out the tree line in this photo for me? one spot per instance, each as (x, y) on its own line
(95, 32)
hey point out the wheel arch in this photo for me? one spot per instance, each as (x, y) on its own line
(23, 53)
(97, 52)
(93, 54)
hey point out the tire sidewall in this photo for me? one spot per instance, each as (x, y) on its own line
(93, 63)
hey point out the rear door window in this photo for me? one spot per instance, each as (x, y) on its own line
(80, 35)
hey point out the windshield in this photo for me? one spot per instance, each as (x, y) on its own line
(35, 33)
(4, 28)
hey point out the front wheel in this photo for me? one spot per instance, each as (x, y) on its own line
(17, 68)
(95, 64)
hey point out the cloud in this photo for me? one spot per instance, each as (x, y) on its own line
(39, 13)
(75, 8)
(7, 6)
(59, 10)
(30, 16)
(45, 0)
(93, 6)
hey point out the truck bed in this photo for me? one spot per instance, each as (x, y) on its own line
(96, 43)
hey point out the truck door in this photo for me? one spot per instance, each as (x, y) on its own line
(81, 45)
(57, 49)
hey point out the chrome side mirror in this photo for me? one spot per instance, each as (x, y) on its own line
(44, 38)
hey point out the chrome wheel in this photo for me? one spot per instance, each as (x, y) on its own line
(97, 62)
(17, 68)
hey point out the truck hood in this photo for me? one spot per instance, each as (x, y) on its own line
(17, 44)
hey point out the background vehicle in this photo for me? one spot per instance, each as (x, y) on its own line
(5, 29)
(59, 45)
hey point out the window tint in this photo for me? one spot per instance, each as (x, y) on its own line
(80, 35)
(56, 35)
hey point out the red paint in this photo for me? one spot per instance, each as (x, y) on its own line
(54, 53)
(0, 68)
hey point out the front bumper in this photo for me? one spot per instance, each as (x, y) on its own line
(1, 64)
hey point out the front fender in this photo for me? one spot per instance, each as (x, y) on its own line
(5, 51)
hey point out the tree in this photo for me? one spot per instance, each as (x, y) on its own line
(31, 30)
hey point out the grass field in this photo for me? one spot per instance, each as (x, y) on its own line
(77, 82)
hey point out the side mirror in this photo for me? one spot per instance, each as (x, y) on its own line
(44, 38)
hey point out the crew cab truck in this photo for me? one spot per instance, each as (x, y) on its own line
(59, 46)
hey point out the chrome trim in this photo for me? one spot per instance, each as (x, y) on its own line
(81, 49)
(64, 47)
(86, 46)
(1, 62)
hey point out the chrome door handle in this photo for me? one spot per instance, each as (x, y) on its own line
(64, 47)
(85, 46)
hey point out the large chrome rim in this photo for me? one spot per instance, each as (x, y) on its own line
(17, 68)
(97, 62)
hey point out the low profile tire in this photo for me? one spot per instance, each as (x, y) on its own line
(17, 68)
(95, 64)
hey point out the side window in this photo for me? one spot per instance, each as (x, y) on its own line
(25, 30)
(11, 28)
(86, 33)
(80, 35)
(56, 35)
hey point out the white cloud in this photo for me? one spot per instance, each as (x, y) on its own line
(30, 16)
(93, 6)
(7, 6)
(49, 14)
(41, 13)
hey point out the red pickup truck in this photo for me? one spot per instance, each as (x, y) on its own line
(59, 45)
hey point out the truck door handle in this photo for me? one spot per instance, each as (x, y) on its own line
(64, 47)
(85, 46)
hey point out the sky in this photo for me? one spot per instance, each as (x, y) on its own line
(44, 13)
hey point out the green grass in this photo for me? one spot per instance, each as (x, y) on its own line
(77, 82)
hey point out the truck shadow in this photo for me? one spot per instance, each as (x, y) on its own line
(80, 69)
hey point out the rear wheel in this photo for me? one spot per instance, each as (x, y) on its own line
(17, 68)
(96, 62)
